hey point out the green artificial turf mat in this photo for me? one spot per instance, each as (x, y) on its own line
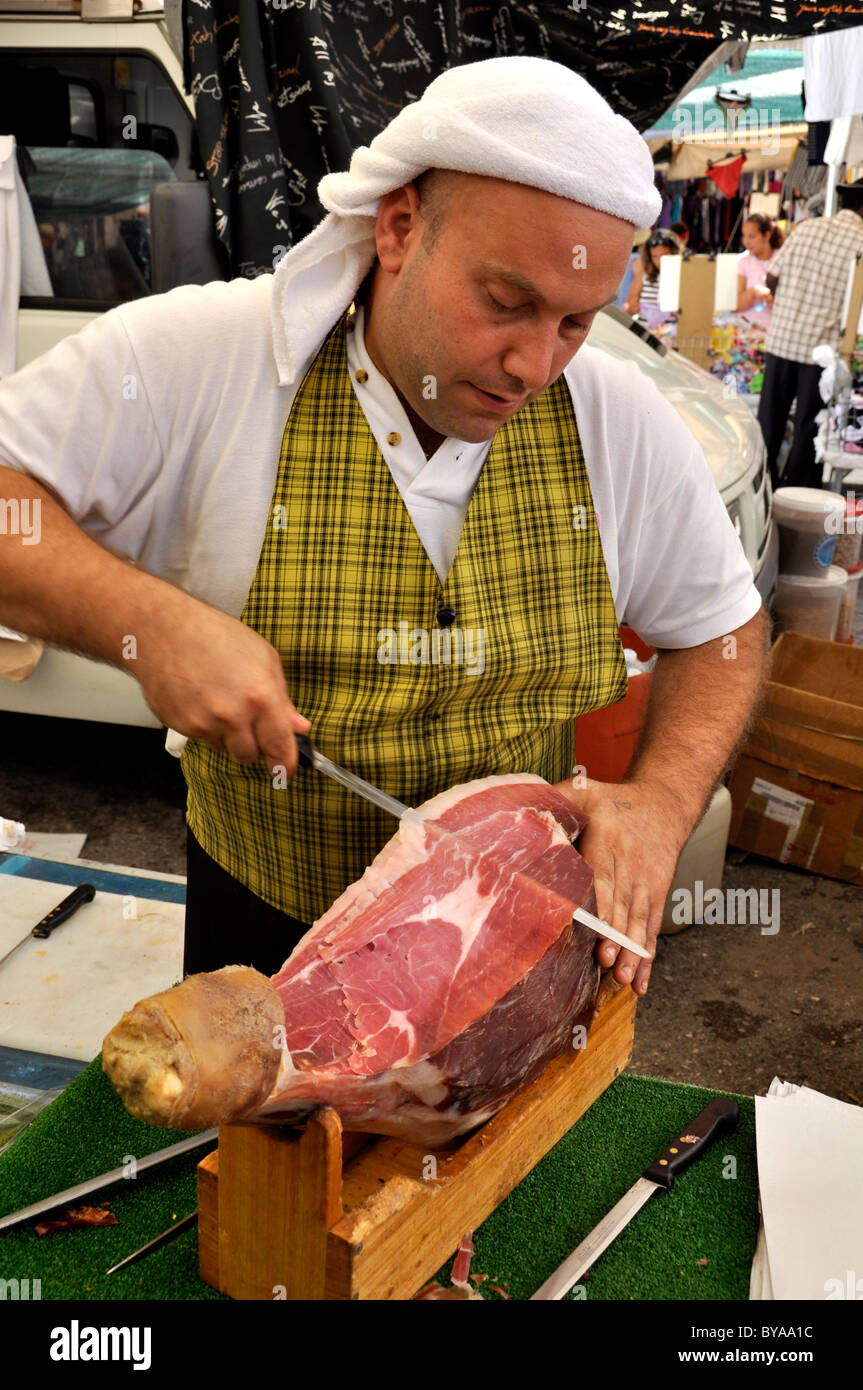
(707, 1217)
(87, 1131)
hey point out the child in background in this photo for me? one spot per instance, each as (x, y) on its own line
(643, 297)
(762, 239)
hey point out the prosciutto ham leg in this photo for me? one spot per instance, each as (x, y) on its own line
(434, 988)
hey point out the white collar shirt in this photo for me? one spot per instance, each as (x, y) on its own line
(436, 491)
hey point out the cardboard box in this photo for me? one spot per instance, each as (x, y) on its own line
(797, 787)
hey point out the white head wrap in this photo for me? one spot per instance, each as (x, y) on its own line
(530, 120)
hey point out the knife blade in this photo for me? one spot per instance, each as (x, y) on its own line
(84, 893)
(162, 1239)
(311, 757)
(717, 1117)
(84, 1189)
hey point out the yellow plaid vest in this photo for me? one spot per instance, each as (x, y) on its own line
(347, 595)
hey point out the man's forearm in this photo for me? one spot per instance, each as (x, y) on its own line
(58, 584)
(203, 672)
(701, 701)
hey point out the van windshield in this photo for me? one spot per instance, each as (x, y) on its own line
(98, 134)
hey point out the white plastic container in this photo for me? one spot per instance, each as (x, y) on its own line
(810, 605)
(810, 520)
(848, 602)
(702, 860)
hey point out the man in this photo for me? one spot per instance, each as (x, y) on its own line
(809, 278)
(441, 618)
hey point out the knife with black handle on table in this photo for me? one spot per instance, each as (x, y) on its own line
(84, 893)
(715, 1119)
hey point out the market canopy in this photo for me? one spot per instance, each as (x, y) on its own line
(694, 158)
(317, 81)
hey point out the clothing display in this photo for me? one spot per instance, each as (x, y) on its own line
(22, 262)
(712, 218)
(833, 75)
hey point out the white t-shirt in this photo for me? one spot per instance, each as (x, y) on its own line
(159, 426)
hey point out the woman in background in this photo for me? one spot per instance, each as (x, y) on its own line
(643, 297)
(762, 240)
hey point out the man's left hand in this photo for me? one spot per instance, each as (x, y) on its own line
(632, 844)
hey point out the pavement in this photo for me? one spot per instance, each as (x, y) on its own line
(728, 1006)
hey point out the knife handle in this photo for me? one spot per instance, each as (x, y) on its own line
(84, 893)
(717, 1117)
(304, 748)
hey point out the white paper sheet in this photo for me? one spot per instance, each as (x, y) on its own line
(810, 1174)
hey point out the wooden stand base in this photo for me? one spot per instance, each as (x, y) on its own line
(318, 1213)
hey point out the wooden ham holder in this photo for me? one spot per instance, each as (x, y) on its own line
(318, 1213)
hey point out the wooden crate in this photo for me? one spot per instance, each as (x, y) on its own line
(318, 1213)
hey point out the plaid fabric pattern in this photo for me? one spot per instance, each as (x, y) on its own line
(343, 581)
(812, 266)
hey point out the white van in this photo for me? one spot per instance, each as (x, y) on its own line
(93, 92)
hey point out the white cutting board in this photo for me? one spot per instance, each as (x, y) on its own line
(63, 995)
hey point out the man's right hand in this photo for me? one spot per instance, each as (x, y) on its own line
(211, 677)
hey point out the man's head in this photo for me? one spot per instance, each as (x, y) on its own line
(850, 195)
(485, 283)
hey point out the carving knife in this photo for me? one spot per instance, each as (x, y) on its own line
(717, 1117)
(84, 893)
(311, 757)
(85, 1189)
(182, 1225)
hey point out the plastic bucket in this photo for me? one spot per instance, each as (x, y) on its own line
(804, 604)
(810, 520)
(847, 552)
(606, 739)
(847, 604)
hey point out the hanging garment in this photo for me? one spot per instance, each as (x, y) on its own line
(727, 176)
(347, 595)
(833, 75)
(22, 261)
(816, 141)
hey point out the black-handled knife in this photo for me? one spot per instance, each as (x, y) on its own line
(84, 893)
(717, 1117)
